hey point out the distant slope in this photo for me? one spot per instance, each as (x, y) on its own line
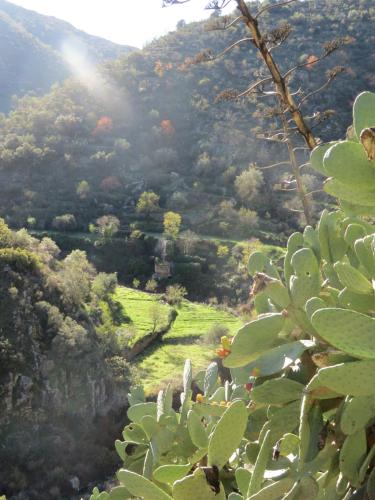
(183, 340)
(30, 51)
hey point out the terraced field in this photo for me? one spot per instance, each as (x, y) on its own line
(165, 359)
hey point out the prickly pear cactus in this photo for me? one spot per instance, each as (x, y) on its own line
(296, 420)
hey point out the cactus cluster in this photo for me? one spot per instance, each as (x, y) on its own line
(297, 419)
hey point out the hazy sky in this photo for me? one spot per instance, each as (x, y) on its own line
(131, 22)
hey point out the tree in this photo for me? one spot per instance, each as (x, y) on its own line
(148, 202)
(172, 223)
(106, 226)
(104, 285)
(277, 85)
(248, 183)
(66, 222)
(76, 274)
(188, 240)
(83, 190)
(6, 236)
(175, 294)
(157, 316)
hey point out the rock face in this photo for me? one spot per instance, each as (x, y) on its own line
(58, 395)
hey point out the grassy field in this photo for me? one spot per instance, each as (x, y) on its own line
(139, 307)
(165, 359)
(194, 320)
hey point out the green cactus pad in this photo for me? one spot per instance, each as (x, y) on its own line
(150, 425)
(274, 491)
(277, 359)
(356, 414)
(284, 420)
(363, 112)
(138, 411)
(278, 294)
(119, 493)
(355, 378)
(313, 304)
(210, 379)
(255, 338)
(141, 487)
(353, 279)
(358, 302)
(363, 250)
(187, 375)
(260, 263)
(289, 444)
(353, 232)
(227, 434)
(370, 490)
(317, 155)
(295, 242)
(311, 239)
(353, 194)
(171, 473)
(243, 477)
(196, 487)
(136, 395)
(197, 431)
(352, 454)
(277, 391)
(348, 163)
(134, 433)
(350, 331)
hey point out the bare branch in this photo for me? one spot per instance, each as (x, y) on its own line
(231, 47)
(274, 165)
(331, 76)
(313, 192)
(227, 26)
(254, 86)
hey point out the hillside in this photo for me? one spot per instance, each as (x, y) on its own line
(59, 374)
(31, 51)
(126, 136)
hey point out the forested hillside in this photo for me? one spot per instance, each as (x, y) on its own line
(32, 51)
(155, 126)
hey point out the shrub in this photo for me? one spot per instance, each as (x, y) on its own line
(151, 285)
(175, 294)
(66, 222)
(215, 333)
(104, 285)
(18, 259)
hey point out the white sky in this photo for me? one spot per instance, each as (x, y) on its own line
(130, 22)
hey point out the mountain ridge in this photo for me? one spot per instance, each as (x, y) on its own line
(31, 51)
